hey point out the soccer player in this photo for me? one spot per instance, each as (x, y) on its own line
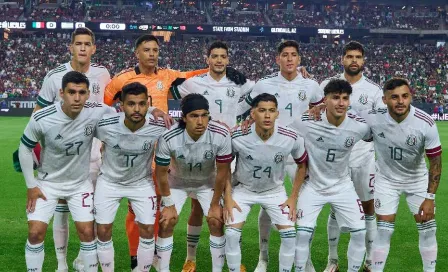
(158, 81)
(129, 140)
(295, 94)
(261, 158)
(65, 130)
(402, 136)
(82, 47)
(193, 160)
(366, 95)
(223, 95)
(331, 141)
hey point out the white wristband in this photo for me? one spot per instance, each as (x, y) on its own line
(167, 201)
(430, 196)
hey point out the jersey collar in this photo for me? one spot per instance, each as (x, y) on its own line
(224, 79)
(70, 68)
(411, 113)
(325, 119)
(138, 72)
(299, 76)
(257, 138)
(189, 140)
(342, 76)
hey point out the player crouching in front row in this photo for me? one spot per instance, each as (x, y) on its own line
(261, 158)
(193, 160)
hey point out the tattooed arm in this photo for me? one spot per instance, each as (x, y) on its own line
(435, 171)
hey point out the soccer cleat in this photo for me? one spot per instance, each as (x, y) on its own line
(366, 267)
(155, 263)
(262, 266)
(189, 266)
(309, 266)
(332, 266)
(243, 268)
(78, 265)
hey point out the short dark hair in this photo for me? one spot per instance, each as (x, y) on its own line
(288, 43)
(395, 82)
(215, 45)
(83, 31)
(134, 88)
(338, 86)
(74, 77)
(264, 97)
(146, 38)
(353, 45)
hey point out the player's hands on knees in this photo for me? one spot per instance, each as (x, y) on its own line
(426, 211)
(32, 195)
(246, 124)
(229, 205)
(290, 204)
(215, 211)
(167, 214)
(169, 121)
(316, 112)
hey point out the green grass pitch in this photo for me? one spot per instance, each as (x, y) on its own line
(404, 254)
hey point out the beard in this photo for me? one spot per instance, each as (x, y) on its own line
(353, 72)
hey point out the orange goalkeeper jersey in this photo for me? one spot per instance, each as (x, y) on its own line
(158, 84)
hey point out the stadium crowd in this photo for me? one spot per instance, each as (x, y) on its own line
(255, 59)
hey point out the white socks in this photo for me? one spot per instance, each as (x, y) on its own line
(356, 249)
(193, 234)
(106, 255)
(218, 251)
(164, 248)
(304, 235)
(34, 256)
(145, 254)
(333, 234)
(264, 228)
(60, 234)
(381, 245)
(427, 244)
(287, 249)
(233, 250)
(89, 256)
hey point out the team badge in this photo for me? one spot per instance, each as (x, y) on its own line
(208, 155)
(146, 145)
(411, 140)
(278, 157)
(230, 91)
(377, 203)
(349, 141)
(88, 130)
(159, 85)
(95, 88)
(302, 95)
(363, 99)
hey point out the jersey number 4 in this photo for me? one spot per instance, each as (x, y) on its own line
(267, 170)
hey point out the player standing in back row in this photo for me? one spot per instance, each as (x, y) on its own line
(82, 47)
(366, 96)
(402, 136)
(295, 95)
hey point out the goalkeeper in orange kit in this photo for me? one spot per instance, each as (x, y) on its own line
(158, 81)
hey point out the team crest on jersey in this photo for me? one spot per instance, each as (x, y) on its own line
(363, 99)
(349, 141)
(278, 157)
(95, 88)
(159, 85)
(146, 145)
(88, 130)
(411, 140)
(230, 91)
(302, 95)
(208, 155)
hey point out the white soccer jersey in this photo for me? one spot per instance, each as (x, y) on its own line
(401, 147)
(330, 149)
(366, 95)
(193, 162)
(293, 97)
(66, 143)
(223, 96)
(127, 155)
(98, 77)
(260, 165)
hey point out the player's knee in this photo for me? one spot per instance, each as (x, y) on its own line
(168, 225)
(146, 231)
(36, 235)
(368, 207)
(104, 232)
(85, 231)
(215, 225)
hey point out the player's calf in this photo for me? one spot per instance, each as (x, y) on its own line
(356, 249)
(34, 248)
(88, 250)
(428, 244)
(287, 247)
(381, 244)
(217, 243)
(146, 245)
(105, 247)
(164, 244)
(232, 248)
(302, 249)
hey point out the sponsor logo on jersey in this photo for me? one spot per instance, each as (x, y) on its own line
(249, 158)
(230, 92)
(95, 88)
(88, 130)
(363, 99)
(320, 139)
(159, 85)
(302, 95)
(411, 140)
(377, 203)
(58, 137)
(205, 93)
(278, 158)
(208, 155)
(146, 145)
(349, 141)
(382, 135)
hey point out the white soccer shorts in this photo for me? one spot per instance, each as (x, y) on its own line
(108, 196)
(204, 196)
(94, 171)
(345, 204)
(364, 179)
(270, 202)
(387, 197)
(80, 202)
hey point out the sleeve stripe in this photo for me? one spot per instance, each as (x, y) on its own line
(162, 161)
(42, 102)
(224, 159)
(26, 141)
(302, 159)
(434, 152)
(175, 92)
